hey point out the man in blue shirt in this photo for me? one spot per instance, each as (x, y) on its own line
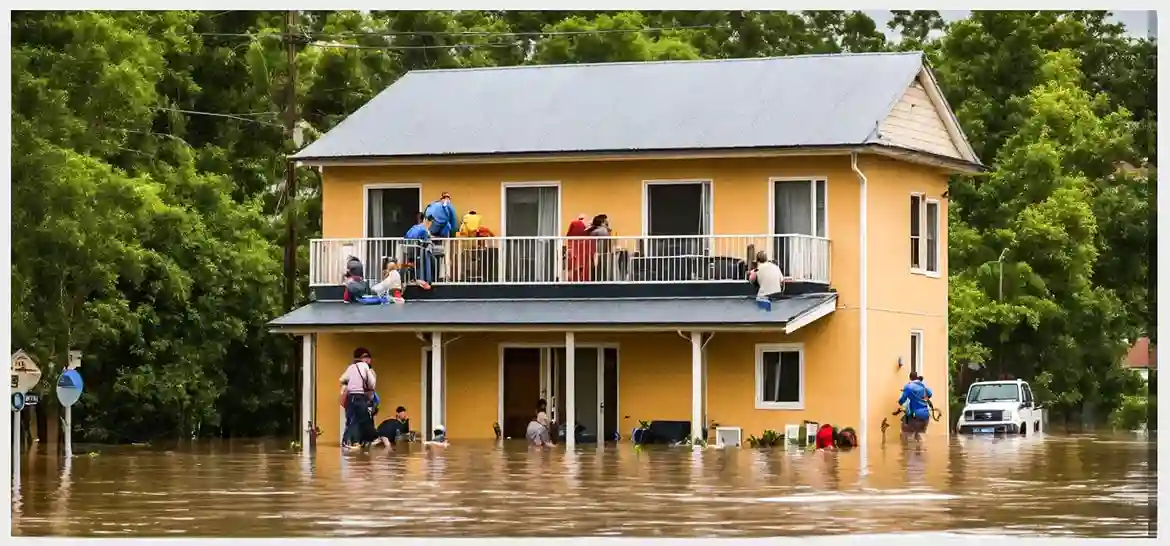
(915, 398)
(442, 213)
(419, 249)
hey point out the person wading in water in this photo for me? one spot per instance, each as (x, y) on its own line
(360, 381)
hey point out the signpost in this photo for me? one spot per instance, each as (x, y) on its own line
(25, 375)
(69, 388)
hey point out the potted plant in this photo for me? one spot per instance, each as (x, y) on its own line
(768, 439)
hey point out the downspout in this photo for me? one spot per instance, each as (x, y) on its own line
(864, 305)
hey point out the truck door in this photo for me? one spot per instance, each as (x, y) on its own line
(1026, 406)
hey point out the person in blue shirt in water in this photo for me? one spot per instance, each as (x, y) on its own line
(421, 255)
(916, 399)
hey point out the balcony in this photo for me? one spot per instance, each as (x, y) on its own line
(558, 260)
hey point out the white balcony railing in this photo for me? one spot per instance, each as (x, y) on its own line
(577, 260)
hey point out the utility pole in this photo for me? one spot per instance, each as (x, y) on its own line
(290, 188)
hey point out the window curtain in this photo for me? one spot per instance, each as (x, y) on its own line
(794, 215)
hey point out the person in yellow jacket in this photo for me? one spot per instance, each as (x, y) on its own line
(472, 226)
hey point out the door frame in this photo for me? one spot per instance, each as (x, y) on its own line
(385, 186)
(679, 182)
(546, 362)
(535, 184)
(812, 180)
(423, 400)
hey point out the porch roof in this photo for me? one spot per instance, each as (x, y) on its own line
(788, 314)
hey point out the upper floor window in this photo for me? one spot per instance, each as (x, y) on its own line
(924, 234)
(679, 212)
(799, 220)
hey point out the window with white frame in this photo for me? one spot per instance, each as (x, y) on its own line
(916, 349)
(924, 234)
(780, 376)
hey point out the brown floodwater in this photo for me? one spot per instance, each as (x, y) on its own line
(1047, 485)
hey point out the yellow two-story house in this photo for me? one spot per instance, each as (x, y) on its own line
(836, 166)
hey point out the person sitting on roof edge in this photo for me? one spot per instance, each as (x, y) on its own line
(770, 280)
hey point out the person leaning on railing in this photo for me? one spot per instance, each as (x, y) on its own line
(769, 278)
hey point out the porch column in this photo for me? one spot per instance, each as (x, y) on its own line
(308, 388)
(571, 390)
(437, 387)
(697, 380)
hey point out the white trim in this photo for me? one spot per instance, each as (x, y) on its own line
(918, 347)
(936, 272)
(308, 391)
(425, 400)
(600, 346)
(536, 184)
(811, 315)
(710, 182)
(762, 348)
(385, 186)
(772, 180)
(923, 226)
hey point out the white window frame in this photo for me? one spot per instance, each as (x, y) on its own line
(367, 188)
(917, 348)
(759, 395)
(923, 242)
(709, 228)
(812, 180)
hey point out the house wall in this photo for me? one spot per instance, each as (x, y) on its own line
(899, 300)
(740, 195)
(654, 376)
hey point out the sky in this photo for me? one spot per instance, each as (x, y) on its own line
(1136, 21)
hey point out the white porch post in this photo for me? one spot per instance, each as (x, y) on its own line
(696, 386)
(571, 388)
(437, 387)
(308, 350)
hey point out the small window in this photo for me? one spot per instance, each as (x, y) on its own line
(916, 350)
(925, 227)
(932, 228)
(779, 377)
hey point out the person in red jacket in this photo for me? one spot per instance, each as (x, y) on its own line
(825, 438)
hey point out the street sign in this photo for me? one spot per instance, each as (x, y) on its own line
(69, 388)
(17, 401)
(25, 372)
(31, 399)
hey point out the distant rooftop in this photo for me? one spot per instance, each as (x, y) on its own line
(758, 103)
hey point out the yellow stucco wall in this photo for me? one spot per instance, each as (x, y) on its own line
(901, 301)
(655, 373)
(740, 195)
(654, 376)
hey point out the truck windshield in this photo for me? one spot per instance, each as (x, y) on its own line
(994, 392)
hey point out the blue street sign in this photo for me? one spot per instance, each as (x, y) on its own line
(17, 401)
(69, 387)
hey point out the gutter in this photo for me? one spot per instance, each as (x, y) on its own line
(863, 425)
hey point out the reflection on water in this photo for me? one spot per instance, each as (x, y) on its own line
(1051, 485)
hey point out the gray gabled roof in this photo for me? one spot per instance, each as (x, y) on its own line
(614, 312)
(781, 102)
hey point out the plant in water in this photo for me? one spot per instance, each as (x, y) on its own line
(644, 424)
(769, 438)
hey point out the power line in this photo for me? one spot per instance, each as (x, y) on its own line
(479, 33)
(220, 115)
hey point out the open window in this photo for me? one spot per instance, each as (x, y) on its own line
(925, 227)
(680, 212)
(780, 377)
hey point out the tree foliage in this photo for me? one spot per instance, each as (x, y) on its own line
(148, 193)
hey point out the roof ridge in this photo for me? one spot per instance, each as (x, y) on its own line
(667, 61)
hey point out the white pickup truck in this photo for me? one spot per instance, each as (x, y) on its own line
(1000, 407)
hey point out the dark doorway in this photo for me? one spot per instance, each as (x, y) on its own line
(521, 389)
(681, 209)
(610, 406)
(389, 213)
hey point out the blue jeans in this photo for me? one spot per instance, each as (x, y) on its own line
(357, 417)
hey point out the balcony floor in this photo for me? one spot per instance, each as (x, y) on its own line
(555, 291)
